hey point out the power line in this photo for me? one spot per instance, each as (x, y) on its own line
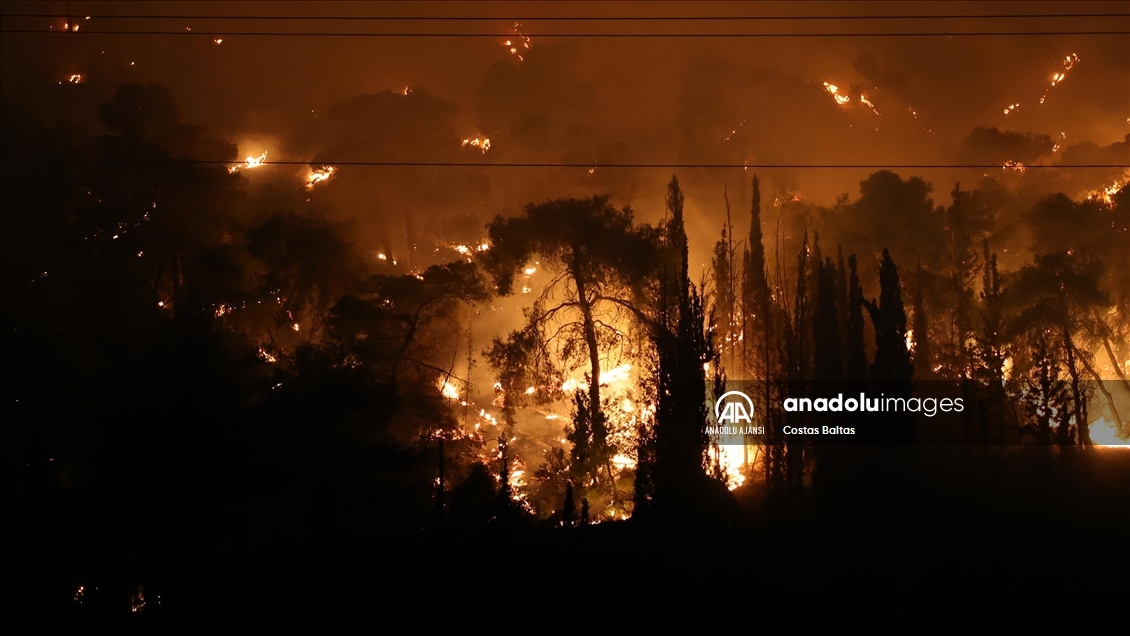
(744, 18)
(468, 164)
(568, 35)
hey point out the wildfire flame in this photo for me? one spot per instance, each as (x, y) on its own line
(835, 92)
(449, 390)
(317, 176)
(477, 142)
(249, 163)
(1106, 195)
(466, 250)
(732, 458)
(609, 376)
(1105, 434)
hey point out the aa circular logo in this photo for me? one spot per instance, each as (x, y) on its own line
(733, 408)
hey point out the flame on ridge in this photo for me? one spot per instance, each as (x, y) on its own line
(249, 163)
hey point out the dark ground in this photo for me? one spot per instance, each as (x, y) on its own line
(978, 527)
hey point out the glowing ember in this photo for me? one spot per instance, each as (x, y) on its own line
(1068, 64)
(317, 176)
(1013, 165)
(480, 143)
(249, 163)
(519, 45)
(77, 78)
(218, 41)
(137, 600)
(1062, 136)
(266, 356)
(835, 92)
(866, 102)
(1008, 110)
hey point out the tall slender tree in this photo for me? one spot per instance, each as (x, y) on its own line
(683, 345)
(892, 370)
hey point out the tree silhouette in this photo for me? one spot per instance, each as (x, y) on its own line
(892, 370)
(683, 347)
(1058, 293)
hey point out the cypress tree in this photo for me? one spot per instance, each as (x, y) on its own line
(923, 355)
(855, 347)
(892, 370)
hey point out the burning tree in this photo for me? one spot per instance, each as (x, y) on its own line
(1057, 296)
(599, 262)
